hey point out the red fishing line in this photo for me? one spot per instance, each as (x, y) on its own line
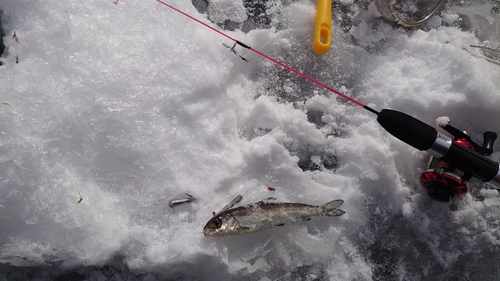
(273, 60)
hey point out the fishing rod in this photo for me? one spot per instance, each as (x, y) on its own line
(236, 42)
(458, 157)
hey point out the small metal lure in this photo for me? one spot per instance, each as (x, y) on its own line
(177, 202)
(236, 200)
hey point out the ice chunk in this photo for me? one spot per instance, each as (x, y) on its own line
(223, 10)
(443, 121)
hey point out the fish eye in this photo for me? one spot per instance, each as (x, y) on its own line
(217, 223)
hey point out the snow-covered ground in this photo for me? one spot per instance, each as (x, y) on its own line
(117, 107)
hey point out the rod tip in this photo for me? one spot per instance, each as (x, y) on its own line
(371, 109)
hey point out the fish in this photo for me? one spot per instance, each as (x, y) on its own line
(263, 215)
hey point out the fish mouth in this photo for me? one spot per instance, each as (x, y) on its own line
(211, 233)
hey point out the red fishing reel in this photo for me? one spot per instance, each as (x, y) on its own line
(442, 180)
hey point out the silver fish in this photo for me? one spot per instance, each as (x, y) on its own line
(262, 215)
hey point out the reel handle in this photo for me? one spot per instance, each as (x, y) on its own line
(488, 140)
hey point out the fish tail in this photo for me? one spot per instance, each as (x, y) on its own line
(330, 208)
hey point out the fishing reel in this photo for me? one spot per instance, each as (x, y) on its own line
(444, 181)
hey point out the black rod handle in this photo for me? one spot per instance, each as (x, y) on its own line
(407, 128)
(470, 161)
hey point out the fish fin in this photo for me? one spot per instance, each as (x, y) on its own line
(243, 229)
(330, 208)
(268, 199)
(335, 212)
(333, 204)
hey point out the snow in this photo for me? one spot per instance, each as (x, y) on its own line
(128, 105)
(219, 11)
(442, 121)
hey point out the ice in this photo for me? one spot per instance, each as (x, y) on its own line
(115, 109)
(450, 18)
(222, 10)
(443, 121)
(346, 2)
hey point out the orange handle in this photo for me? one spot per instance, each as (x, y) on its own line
(323, 27)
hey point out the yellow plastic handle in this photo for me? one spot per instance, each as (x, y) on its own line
(323, 27)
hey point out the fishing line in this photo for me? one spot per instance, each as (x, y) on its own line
(326, 109)
(344, 96)
(404, 127)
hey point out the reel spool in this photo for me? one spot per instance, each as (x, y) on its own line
(444, 181)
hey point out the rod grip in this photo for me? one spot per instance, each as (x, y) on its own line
(407, 128)
(472, 162)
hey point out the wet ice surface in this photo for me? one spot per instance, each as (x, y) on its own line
(126, 106)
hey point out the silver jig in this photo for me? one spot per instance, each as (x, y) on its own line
(177, 202)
